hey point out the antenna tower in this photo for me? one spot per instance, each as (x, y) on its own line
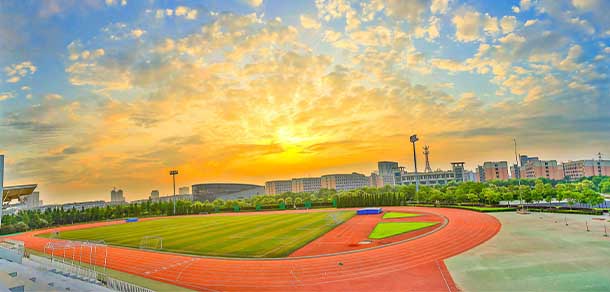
(427, 153)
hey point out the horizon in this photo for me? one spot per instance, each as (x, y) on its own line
(98, 94)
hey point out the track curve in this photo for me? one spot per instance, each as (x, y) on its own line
(415, 265)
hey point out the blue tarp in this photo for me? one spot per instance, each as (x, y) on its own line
(129, 220)
(368, 211)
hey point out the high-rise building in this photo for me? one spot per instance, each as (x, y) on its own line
(543, 169)
(458, 171)
(116, 196)
(386, 171)
(154, 195)
(575, 170)
(518, 171)
(306, 185)
(184, 191)
(277, 187)
(492, 170)
(344, 182)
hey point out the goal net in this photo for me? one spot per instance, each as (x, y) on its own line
(151, 242)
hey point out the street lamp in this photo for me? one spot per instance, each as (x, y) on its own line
(414, 139)
(173, 174)
(1, 186)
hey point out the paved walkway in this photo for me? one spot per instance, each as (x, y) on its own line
(538, 253)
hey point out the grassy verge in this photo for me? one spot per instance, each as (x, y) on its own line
(483, 209)
(394, 215)
(388, 229)
(137, 280)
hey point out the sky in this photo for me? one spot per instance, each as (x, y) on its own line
(96, 94)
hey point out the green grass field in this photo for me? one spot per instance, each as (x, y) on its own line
(388, 229)
(394, 215)
(260, 235)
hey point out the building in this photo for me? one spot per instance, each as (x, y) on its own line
(375, 180)
(306, 185)
(543, 169)
(31, 201)
(184, 191)
(459, 173)
(386, 170)
(436, 177)
(226, 191)
(116, 196)
(492, 170)
(86, 205)
(277, 187)
(515, 171)
(518, 170)
(575, 170)
(154, 195)
(344, 182)
(170, 198)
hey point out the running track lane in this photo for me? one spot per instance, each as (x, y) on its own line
(415, 265)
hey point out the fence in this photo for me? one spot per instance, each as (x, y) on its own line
(86, 274)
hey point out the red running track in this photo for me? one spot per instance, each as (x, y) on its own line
(415, 265)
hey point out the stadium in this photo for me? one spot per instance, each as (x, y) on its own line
(332, 250)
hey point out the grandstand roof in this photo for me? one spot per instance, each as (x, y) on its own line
(14, 192)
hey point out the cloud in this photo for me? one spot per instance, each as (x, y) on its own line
(254, 3)
(309, 22)
(17, 71)
(439, 6)
(137, 33)
(508, 24)
(6, 95)
(116, 2)
(53, 96)
(410, 10)
(181, 11)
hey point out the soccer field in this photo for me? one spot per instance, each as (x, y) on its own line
(259, 235)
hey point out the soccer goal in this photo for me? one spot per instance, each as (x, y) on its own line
(151, 242)
(333, 220)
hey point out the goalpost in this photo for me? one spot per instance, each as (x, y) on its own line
(151, 242)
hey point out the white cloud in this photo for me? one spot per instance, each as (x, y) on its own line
(516, 9)
(183, 11)
(508, 24)
(431, 32)
(115, 2)
(254, 3)
(525, 5)
(309, 22)
(53, 96)
(137, 33)
(17, 71)
(439, 6)
(587, 5)
(331, 36)
(531, 22)
(6, 95)
(186, 12)
(410, 10)
(25, 88)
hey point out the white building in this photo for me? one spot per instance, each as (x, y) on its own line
(184, 191)
(344, 182)
(116, 196)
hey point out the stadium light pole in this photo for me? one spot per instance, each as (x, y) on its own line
(173, 174)
(414, 139)
(520, 167)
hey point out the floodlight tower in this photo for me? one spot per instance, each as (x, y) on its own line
(173, 173)
(414, 139)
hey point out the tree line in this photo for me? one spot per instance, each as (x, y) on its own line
(585, 191)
